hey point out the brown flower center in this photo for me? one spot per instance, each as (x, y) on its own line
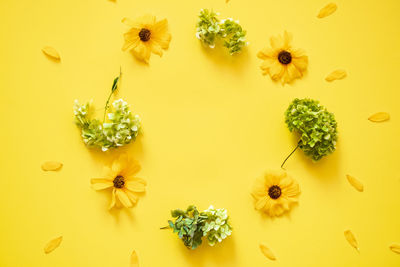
(274, 192)
(284, 57)
(144, 34)
(119, 181)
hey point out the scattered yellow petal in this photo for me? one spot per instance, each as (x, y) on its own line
(52, 245)
(267, 252)
(395, 248)
(226, 1)
(51, 166)
(51, 52)
(351, 239)
(379, 117)
(355, 183)
(336, 75)
(134, 259)
(327, 10)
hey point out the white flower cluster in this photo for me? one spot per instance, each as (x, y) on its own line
(120, 129)
(216, 228)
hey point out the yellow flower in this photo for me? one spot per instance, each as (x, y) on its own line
(120, 177)
(282, 62)
(275, 192)
(145, 36)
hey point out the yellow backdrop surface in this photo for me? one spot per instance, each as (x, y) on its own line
(211, 125)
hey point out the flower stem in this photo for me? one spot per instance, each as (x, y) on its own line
(298, 144)
(165, 227)
(113, 89)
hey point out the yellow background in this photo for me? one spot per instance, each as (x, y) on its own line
(212, 124)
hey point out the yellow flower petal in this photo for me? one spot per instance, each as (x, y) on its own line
(51, 166)
(51, 52)
(351, 239)
(113, 200)
(277, 42)
(134, 259)
(131, 196)
(276, 70)
(287, 38)
(123, 198)
(260, 204)
(53, 244)
(100, 184)
(135, 186)
(395, 248)
(379, 117)
(336, 75)
(327, 10)
(301, 62)
(355, 183)
(267, 252)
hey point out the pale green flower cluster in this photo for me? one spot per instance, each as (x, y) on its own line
(210, 29)
(216, 226)
(120, 128)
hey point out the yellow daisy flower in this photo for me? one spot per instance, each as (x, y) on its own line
(145, 36)
(275, 192)
(120, 177)
(282, 62)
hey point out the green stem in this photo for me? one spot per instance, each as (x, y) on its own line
(106, 107)
(165, 227)
(298, 144)
(109, 97)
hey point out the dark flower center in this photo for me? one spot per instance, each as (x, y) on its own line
(119, 181)
(144, 35)
(285, 57)
(274, 192)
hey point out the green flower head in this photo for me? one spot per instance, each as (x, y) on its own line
(316, 126)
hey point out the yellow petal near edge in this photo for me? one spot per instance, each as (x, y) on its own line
(379, 117)
(351, 239)
(51, 52)
(395, 248)
(113, 200)
(327, 10)
(267, 252)
(355, 183)
(52, 244)
(135, 186)
(51, 166)
(134, 259)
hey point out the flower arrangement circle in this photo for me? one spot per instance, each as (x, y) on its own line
(317, 128)
(121, 178)
(283, 62)
(120, 128)
(146, 36)
(192, 225)
(210, 29)
(275, 192)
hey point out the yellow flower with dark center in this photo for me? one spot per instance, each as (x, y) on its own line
(283, 62)
(275, 192)
(120, 177)
(146, 36)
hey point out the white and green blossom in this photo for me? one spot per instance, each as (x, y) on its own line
(216, 227)
(120, 128)
(210, 29)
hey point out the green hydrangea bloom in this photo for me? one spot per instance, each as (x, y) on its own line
(210, 29)
(316, 126)
(216, 227)
(120, 128)
(192, 225)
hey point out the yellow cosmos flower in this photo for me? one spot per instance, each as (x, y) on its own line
(282, 62)
(145, 36)
(275, 192)
(120, 177)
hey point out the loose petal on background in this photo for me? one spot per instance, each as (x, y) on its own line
(355, 183)
(336, 75)
(351, 239)
(379, 117)
(134, 259)
(51, 52)
(52, 245)
(327, 10)
(51, 166)
(395, 248)
(267, 252)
